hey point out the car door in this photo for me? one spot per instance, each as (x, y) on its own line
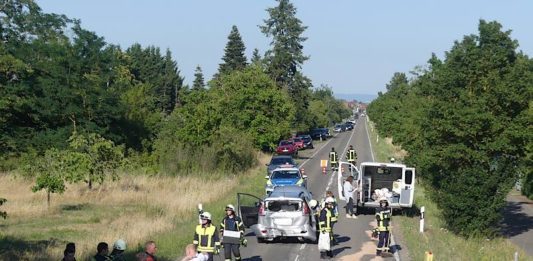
(248, 208)
(408, 189)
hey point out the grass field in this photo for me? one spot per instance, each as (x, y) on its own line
(443, 244)
(136, 208)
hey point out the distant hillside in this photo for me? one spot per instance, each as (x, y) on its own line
(356, 96)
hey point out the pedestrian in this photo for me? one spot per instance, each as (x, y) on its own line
(348, 190)
(118, 250)
(191, 254)
(351, 156)
(206, 236)
(232, 230)
(326, 224)
(383, 218)
(149, 252)
(102, 252)
(333, 157)
(70, 252)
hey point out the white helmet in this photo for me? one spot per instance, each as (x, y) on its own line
(206, 215)
(119, 245)
(329, 200)
(313, 203)
(231, 207)
(392, 159)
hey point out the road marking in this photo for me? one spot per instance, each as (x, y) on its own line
(297, 256)
(369, 142)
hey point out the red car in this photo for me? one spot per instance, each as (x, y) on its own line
(287, 147)
(298, 142)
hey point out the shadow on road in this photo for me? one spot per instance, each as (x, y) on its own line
(253, 258)
(337, 251)
(515, 222)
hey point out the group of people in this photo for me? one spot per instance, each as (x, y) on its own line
(103, 254)
(351, 157)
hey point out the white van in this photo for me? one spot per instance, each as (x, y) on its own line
(374, 179)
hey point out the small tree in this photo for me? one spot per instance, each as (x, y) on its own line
(101, 158)
(199, 82)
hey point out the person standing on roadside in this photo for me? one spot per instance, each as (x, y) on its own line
(383, 218)
(149, 252)
(206, 237)
(232, 230)
(348, 190)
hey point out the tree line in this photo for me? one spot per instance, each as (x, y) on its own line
(70, 100)
(466, 122)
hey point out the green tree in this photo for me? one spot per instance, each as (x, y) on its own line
(398, 78)
(102, 158)
(234, 58)
(256, 57)
(198, 83)
(286, 57)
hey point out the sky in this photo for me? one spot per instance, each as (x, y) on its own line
(354, 46)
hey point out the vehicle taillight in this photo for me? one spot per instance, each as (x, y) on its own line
(307, 211)
(262, 209)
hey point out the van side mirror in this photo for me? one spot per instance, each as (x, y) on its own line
(304, 176)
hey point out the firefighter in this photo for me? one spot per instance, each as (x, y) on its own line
(206, 237)
(333, 157)
(232, 230)
(383, 218)
(325, 224)
(351, 155)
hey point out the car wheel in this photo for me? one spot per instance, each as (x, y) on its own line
(261, 240)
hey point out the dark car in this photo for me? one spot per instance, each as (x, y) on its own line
(287, 147)
(308, 141)
(320, 133)
(280, 161)
(339, 128)
(349, 125)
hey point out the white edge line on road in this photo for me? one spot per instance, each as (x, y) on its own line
(393, 242)
(369, 141)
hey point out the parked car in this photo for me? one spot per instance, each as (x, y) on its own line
(320, 133)
(298, 142)
(349, 125)
(283, 213)
(308, 141)
(284, 176)
(280, 161)
(287, 147)
(339, 128)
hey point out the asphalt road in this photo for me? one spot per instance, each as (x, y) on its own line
(353, 235)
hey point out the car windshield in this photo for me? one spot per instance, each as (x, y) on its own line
(285, 142)
(286, 174)
(281, 161)
(283, 205)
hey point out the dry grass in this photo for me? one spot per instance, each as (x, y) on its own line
(132, 208)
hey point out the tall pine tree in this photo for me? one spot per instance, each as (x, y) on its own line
(234, 58)
(286, 57)
(198, 83)
(256, 57)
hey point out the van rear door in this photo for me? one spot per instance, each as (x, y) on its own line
(407, 192)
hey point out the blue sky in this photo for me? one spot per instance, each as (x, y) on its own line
(355, 46)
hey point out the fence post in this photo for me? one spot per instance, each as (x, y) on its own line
(422, 212)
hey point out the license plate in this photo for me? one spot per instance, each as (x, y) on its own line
(283, 221)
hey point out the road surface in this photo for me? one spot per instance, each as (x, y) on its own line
(353, 234)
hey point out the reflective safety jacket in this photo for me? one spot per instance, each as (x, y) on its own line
(351, 155)
(333, 157)
(325, 219)
(383, 216)
(206, 238)
(232, 224)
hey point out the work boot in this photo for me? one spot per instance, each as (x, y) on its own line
(322, 255)
(330, 253)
